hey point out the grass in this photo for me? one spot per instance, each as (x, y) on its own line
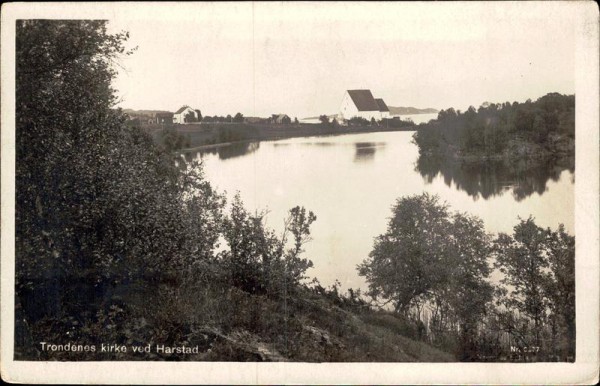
(228, 324)
(304, 327)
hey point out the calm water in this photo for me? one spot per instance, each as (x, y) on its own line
(351, 181)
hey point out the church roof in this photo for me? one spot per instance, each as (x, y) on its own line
(382, 106)
(363, 100)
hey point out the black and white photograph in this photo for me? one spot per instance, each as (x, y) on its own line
(332, 192)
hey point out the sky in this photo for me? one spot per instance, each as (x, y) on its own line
(299, 58)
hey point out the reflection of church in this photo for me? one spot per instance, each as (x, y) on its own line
(365, 151)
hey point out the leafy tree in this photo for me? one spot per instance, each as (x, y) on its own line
(99, 207)
(63, 120)
(239, 118)
(427, 138)
(324, 120)
(104, 217)
(560, 287)
(358, 121)
(251, 249)
(424, 250)
(539, 285)
(468, 292)
(404, 261)
(257, 261)
(398, 123)
(430, 256)
(505, 129)
(190, 117)
(522, 259)
(447, 115)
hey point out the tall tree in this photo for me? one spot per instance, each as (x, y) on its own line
(98, 204)
(468, 290)
(560, 287)
(63, 121)
(404, 262)
(522, 259)
(257, 261)
(239, 118)
(190, 117)
(430, 255)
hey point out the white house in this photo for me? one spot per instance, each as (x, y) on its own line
(360, 103)
(180, 115)
(280, 118)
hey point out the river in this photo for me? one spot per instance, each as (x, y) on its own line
(351, 182)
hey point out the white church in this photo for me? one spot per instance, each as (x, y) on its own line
(360, 103)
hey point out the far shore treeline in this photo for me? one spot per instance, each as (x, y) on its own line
(121, 254)
(530, 130)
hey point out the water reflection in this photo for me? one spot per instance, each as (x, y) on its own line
(351, 181)
(365, 151)
(323, 144)
(493, 178)
(233, 150)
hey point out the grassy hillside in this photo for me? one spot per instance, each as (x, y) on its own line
(316, 327)
(310, 325)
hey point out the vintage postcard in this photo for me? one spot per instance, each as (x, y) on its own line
(300, 192)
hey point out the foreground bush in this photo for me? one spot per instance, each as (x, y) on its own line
(114, 242)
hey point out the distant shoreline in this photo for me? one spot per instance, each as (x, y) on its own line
(215, 135)
(395, 115)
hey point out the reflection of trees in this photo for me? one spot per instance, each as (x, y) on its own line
(233, 150)
(237, 149)
(365, 151)
(493, 178)
(190, 157)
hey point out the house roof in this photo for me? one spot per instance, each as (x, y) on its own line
(363, 100)
(382, 105)
(181, 109)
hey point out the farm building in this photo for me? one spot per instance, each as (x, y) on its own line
(186, 114)
(280, 118)
(360, 103)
